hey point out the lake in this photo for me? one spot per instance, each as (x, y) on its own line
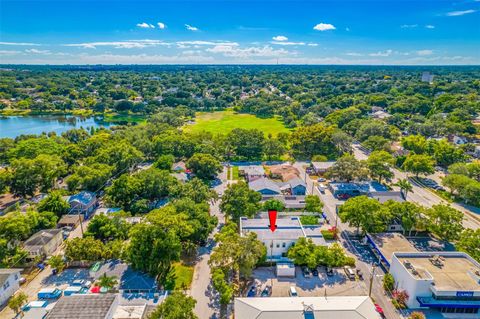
(13, 126)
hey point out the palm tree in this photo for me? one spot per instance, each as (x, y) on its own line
(405, 186)
(107, 281)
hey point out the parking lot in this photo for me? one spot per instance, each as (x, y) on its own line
(336, 285)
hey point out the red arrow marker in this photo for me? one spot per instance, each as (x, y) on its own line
(272, 216)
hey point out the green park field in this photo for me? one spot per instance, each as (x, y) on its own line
(225, 121)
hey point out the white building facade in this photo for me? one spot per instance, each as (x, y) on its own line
(8, 283)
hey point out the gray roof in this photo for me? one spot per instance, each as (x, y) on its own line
(296, 182)
(42, 237)
(264, 183)
(5, 273)
(287, 228)
(382, 197)
(323, 165)
(90, 306)
(252, 169)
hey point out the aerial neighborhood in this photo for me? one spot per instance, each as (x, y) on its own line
(253, 192)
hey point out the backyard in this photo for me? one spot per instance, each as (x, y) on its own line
(225, 121)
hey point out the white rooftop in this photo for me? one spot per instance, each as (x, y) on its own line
(345, 307)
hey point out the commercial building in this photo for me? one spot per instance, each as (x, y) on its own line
(447, 281)
(288, 231)
(384, 245)
(91, 306)
(351, 307)
(43, 243)
(8, 283)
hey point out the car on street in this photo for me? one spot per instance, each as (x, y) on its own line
(321, 180)
(359, 274)
(349, 272)
(379, 310)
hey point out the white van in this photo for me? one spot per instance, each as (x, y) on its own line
(321, 188)
(293, 292)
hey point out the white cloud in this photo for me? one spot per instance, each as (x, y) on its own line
(324, 27)
(382, 53)
(460, 13)
(128, 44)
(424, 52)
(145, 25)
(161, 25)
(287, 43)
(408, 26)
(9, 52)
(35, 51)
(429, 26)
(353, 54)
(191, 28)
(280, 38)
(199, 43)
(232, 51)
(19, 43)
(313, 44)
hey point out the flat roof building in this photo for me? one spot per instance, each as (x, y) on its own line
(447, 281)
(351, 307)
(288, 231)
(384, 245)
(89, 306)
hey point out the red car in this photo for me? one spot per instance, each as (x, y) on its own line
(379, 310)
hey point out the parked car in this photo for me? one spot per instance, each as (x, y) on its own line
(306, 272)
(252, 292)
(292, 292)
(321, 179)
(349, 272)
(265, 292)
(330, 271)
(315, 272)
(359, 274)
(321, 188)
(379, 310)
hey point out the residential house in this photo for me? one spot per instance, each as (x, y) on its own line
(179, 167)
(298, 186)
(265, 186)
(285, 172)
(8, 283)
(252, 172)
(459, 140)
(287, 232)
(427, 77)
(321, 168)
(43, 243)
(69, 220)
(344, 307)
(83, 203)
(381, 115)
(476, 153)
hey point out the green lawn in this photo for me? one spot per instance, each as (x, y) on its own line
(225, 121)
(180, 277)
(235, 173)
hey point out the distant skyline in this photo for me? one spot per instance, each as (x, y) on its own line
(380, 32)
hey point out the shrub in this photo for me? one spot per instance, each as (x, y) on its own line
(309, 220)
(388, 282)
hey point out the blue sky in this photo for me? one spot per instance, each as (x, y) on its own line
(240, 32)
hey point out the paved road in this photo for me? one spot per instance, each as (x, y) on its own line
(423, 196)
(364, 259)
(207, 305)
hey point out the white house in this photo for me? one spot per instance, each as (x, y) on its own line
(43, 243)
(446, 281)
(346, 307)
(8, 283)
(288, 231)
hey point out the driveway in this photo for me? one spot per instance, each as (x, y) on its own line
(207, 305)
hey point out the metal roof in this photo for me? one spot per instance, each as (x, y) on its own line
(90, 306)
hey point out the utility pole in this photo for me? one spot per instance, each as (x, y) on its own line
(374, 266)
(80, 220)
